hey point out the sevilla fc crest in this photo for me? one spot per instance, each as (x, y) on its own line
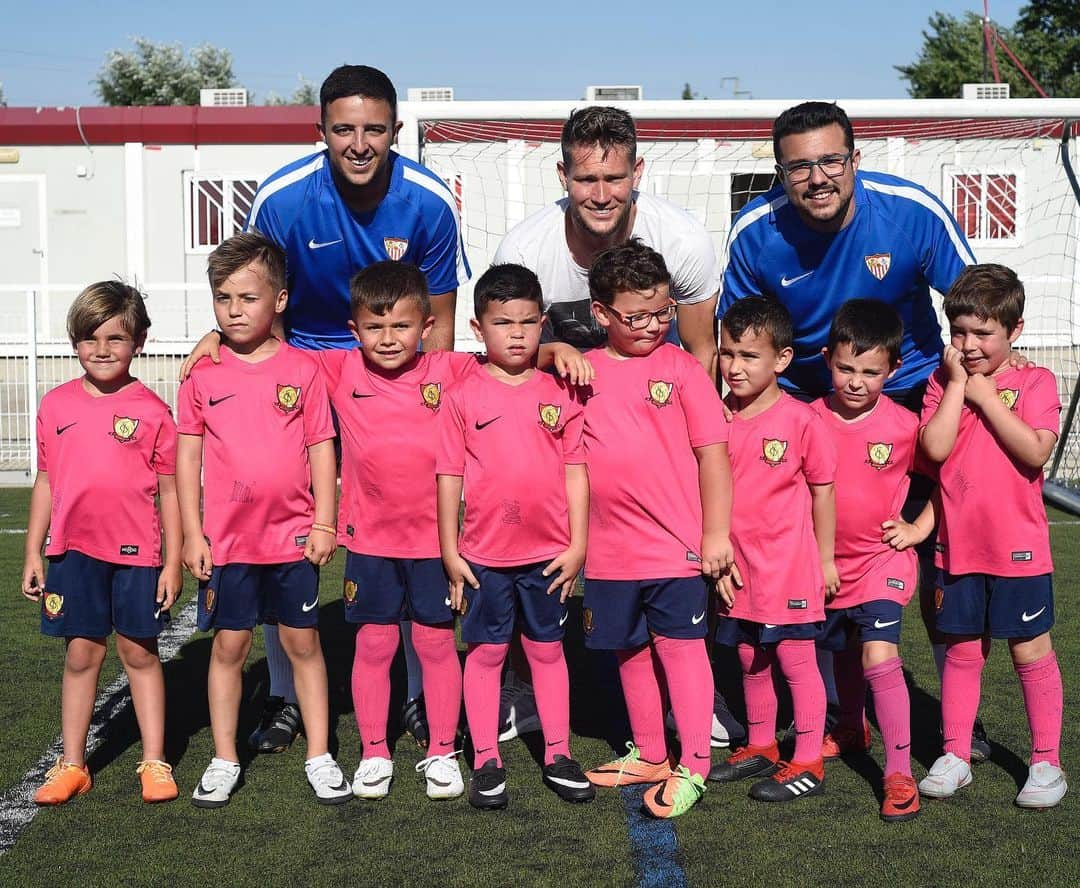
(395, 247)
(878, 264)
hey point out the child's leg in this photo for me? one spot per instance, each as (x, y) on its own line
(552, 687)
(799, 665)
(442, 683)
(851, 687)
(147, 681)
(1040, 679)
(892, 704)
(82, 666)
(760, 694)
(961, 687)
(641, 690)
(224, 686)
(376, 644)
(690, 684)
(483, 671)
(309, 676)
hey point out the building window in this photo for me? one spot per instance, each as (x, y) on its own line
(746, 186)
(216, 206)
(985, 205)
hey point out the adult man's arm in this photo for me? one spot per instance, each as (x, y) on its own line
(697, 331)
(443, 308)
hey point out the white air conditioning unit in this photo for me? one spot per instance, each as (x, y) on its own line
(223, 98)
(985, 91)
(431, 94)
(614, 93)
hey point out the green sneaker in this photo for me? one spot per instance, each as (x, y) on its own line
(676, 795)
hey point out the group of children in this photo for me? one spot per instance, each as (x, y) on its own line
(623, 462)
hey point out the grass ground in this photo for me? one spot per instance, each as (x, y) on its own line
(273, 833)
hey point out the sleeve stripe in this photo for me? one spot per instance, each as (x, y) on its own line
(924, 199)
(746, 219)
(276, 185)
(438, 188)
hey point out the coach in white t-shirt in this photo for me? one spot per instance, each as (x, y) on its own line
(600, 171)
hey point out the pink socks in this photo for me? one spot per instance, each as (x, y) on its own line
(483, 674)
(760, 695)
(442, 683)
(893, 707)
(690, 684)
(1043, 699)
(961, 686)
(798, 662)
(642, 693)
(552, 688)
(375, 648)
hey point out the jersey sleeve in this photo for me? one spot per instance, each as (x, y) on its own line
(189, 407)
(934, 391)
(1040, 406)
(164, 458)
(318, 424)
(740, 279)
(701, 404)
(42, 448)
(450, 456)
(331, 365)
(819, 452)
(695, 273)
(944, 251)
(573, 436)
(508, 251)
(444, 263)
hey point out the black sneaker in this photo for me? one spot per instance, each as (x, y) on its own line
(746, 762)
(414, 722)
(487, 786)
(279, 726)
(792, 781)
(980, 745)
(566, 779)
(726, 730)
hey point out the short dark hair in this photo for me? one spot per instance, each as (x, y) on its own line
(357, 80)
(102, 301)
(629, 267)
(381, 285)
(242, 250)
(762, 315)
(502, 283)
(866, 324)
(809, 116)
(991, 292)
(599, 125)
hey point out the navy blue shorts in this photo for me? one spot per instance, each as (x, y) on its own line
(871, 621)
(389, 590)
(620, 615)
(1007, 607)
(85, 597)
(238, 596)
(505, 594)
(732, 632)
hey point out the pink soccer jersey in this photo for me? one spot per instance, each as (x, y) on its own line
(256, 422)
(643, 419)
(774, 457)
(993, 520)
(873, 458)
(103, 456)
(389, 437)
(512, 445)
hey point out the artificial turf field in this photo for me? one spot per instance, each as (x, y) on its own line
(273, 832)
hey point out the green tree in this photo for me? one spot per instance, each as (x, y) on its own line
(304, 94)
(160, 74)
(1049, 45)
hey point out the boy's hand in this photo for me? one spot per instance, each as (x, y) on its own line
(197, 558)
(717, 555)
(33, 577)
(979, 390)
(953, 362)
(459, 573)
(207, 347)
(832, 580)
(571, 365)
(566, 568)
(320, 547)
(901, 535)
(169, 585)
(730, 581)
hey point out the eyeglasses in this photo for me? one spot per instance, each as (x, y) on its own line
(642, 320)
(832, 165)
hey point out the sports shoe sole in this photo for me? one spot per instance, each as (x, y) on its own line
(574, 795)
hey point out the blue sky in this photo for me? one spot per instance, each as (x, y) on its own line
(49, 53)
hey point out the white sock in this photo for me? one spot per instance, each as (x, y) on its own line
(825, 667)
(413, 671)
(939, 659)
(277, 663)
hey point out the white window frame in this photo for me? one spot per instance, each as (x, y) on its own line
(228, 228)
(950, 175)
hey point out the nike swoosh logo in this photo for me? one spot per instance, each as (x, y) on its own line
(562, 619)
(305, 607)
(768, 625)
(698, 618)
(157, 613)
(357, 394)
(61, 429)
(315, 245)
(498, 790)
(879, 625)
(484, 425)
(787, 282)
(570, 784)
(1027, 618)
(903, 806)
(376, 782)
(215, 401)
(447, 602)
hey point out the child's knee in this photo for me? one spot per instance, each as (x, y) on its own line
(1028, 650)
(137, 653)
(874, 653)
(302, 645)
(231, 646)
(84, 654)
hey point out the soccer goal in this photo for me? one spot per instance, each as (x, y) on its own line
(1003, 167)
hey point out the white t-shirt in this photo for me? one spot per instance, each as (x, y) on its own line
(539, 243)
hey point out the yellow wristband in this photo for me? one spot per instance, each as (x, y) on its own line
(325, 528)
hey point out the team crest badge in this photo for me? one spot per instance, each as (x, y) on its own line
(549, 416)
(464, 606)
(431, 393)
(586, 619)
(123, 428)
(660, 392)
(208, 601)
(349, 593)
(939, 598)
(1009, 397)
(879, 454)
(773, 450)
(395, 247)
(878, 264)
(288, 397)
(53, 604)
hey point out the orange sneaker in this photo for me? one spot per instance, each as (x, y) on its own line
(62, 783)
(841, 741)
(157, 781)
(629, 769)
(901, 800)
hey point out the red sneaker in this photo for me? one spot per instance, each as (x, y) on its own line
(901, 800)
(841, 741)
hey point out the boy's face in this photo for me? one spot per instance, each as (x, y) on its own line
(106, 353)
(637, 321)
(751, 363)
(391, 340)
(984, 343)
(858, 380)
(510, 332)
(245, 305)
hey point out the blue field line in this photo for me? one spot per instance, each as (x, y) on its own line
(654, 848)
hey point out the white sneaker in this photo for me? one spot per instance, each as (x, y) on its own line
(372, 778)
(948, 774)
(443, 775)
(1044, 788)
(325, 777)
(521, 717)
(216, 784)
